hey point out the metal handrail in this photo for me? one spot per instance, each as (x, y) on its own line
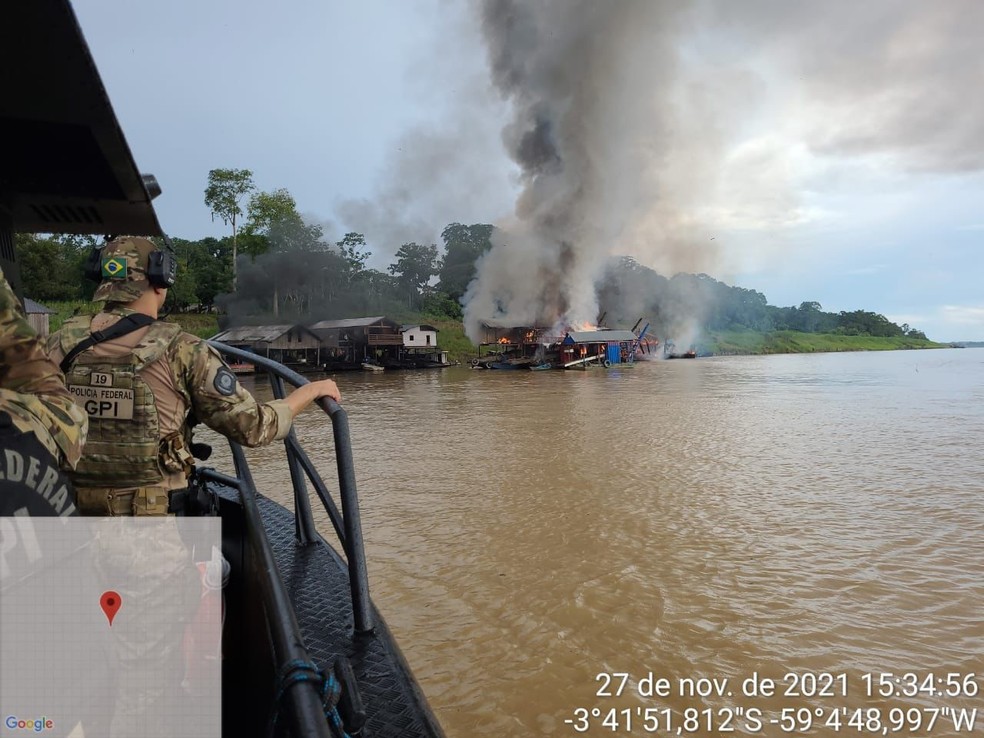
(349, 526)
(304, 708)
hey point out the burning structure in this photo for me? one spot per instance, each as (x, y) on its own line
(587, 133)
(495, 333)
(525, 347)
(513, 347)
(607, 348)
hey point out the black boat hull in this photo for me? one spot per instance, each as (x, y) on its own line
(317, 582)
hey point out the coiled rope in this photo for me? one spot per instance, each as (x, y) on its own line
(297, 671)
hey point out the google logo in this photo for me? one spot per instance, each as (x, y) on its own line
(38, 725)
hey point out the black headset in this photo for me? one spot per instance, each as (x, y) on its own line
(162, 265)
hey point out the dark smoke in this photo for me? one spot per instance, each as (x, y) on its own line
(448, 167)
(581, 78)
(648, 128)
(670, 131)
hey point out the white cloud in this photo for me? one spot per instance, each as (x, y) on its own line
(913, 319)
(866, 270)
(963, 314)
(947, 322)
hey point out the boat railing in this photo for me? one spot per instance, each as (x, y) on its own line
(347, 523)
(303, 705)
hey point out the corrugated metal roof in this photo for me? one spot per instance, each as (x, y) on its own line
(32, 308)
(252, 333)
(411, 326)
(599, 336)
(352, 322)
(494, 323)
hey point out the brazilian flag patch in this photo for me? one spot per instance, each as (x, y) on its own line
(114, 268)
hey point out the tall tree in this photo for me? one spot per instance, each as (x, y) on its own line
(203, 271)
(287, 255)
(353, 249)
(415, 265)
(463, 245)
(269, 208)
(224, 195)
(52, 268)
(268, 214)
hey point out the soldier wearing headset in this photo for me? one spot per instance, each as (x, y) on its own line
(139, 380)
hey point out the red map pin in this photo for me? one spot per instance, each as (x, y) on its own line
(110, 603)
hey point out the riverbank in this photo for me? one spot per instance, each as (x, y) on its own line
(452, 338)
(730, 343)
(727, 343)
(203, 325)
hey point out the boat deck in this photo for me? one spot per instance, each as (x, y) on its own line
(290, 604)
(317, 582)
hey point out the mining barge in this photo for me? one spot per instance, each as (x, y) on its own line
(531, 348)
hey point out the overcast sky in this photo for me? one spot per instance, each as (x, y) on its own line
(830, 151)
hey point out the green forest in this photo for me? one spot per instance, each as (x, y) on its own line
(274, 267)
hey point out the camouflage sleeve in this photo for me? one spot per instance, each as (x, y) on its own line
(221, 403)
(36, 387)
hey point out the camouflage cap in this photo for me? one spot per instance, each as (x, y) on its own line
(124, 269)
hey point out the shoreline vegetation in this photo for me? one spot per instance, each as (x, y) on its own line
(289, 272)
(451, 336)
(733, 343)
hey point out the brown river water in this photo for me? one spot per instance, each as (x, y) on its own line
(816, 520)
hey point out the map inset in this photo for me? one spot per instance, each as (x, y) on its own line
(111, 627)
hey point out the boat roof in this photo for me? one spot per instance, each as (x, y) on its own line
(353, 323)
(511, 325)
(66, 164)
(254, 333)
(599, 336)
(34, 308)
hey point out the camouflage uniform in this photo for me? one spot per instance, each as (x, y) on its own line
(32, 389)
(185, 376)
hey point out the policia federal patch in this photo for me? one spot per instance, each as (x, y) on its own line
(225, 382)
(30, 481)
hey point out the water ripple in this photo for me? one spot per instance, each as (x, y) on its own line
(704, 518)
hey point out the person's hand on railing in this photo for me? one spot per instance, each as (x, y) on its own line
(308, 393)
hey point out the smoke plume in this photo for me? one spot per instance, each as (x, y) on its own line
(448, 165)
(593, 137)
(651, 128)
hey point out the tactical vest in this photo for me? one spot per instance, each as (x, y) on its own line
(123, 446)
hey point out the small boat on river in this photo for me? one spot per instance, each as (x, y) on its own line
(670, 352)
